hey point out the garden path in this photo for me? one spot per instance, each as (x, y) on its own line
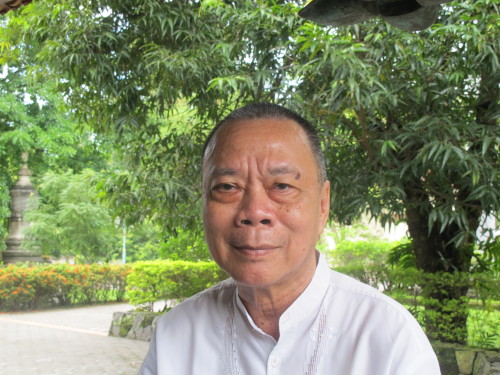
(69, 341)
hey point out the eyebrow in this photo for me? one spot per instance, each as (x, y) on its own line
(278, 171)
(217, 172)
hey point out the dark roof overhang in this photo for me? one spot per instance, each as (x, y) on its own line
(8, 5)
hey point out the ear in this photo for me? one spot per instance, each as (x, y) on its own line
(325, 205)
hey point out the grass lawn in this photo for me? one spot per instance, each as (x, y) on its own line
(483, 328)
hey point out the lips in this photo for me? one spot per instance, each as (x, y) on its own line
(254, 247)
(254, 251)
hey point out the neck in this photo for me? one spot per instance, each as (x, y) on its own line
(266, 304)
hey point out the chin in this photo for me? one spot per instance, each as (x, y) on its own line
(257, 279)
(249, 277)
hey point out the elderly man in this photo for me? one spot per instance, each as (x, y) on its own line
(283, 311)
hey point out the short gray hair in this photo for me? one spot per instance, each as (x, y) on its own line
(257, 111)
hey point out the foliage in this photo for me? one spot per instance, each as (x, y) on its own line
(148, 241)
(35, 119)
(362, 253)
(402, 255)
(446, 304)
(409, 140)
(68, 222)
(485, 256)
(484, 319)
(142, 242)
(152, 179)
(124, 65)
(27, 287)
(149, 282)
(186, 245)
(368, 259)
(358, 230)
(147, 56)
(483, 326)
(409, 121)
(443, 309)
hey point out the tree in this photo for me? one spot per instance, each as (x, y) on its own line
(409, 120)
(415, 122)
(125, 66)
(35, 119)
(68, 221)
(151, 177)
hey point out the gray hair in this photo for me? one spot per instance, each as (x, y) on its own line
(257, 111)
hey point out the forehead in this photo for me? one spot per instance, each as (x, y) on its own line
(285, 130)
(274, 140)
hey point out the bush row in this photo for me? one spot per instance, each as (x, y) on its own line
(153, 281)
(144, 283)
(25, 287)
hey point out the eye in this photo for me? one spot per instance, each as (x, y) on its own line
(224, 187)
(282, 186)
(225, 192)
(283, 192)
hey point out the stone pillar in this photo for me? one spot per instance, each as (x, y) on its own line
(20, 195)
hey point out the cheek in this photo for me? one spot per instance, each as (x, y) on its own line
(216, 219)
(293, 216)
(302, 219)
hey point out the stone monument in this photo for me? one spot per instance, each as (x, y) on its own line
(21, 195)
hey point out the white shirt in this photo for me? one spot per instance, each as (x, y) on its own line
(337, 326)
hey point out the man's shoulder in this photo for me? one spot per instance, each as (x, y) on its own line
(361, 303)
(219, 293)
(347, 287)
(364, 314)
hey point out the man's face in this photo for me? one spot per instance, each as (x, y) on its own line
(263, 204)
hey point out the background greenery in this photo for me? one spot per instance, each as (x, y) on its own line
(123, 92)
(153, 281)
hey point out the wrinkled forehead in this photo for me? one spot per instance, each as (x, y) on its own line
(266, 130)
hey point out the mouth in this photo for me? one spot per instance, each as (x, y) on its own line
(255, 250)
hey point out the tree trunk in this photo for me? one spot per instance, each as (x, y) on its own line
(445, 287)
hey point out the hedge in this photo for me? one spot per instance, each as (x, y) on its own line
(165, 280)
(25, 287)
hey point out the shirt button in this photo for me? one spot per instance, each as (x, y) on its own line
(274, 362)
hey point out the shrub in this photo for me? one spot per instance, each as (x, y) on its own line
(185, 245)
(153, 281)
(362, 253)
(25, 287)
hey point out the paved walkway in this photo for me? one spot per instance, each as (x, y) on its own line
(71, 341)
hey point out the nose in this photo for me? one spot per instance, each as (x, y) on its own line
(255, 209)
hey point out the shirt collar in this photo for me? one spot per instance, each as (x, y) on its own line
(311, 298)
